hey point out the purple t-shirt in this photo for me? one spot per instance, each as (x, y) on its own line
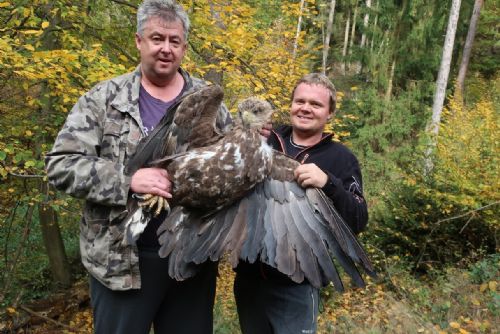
(152, 110)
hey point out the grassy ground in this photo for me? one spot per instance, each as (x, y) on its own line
(455, 301)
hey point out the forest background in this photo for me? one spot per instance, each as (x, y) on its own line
(418, 92)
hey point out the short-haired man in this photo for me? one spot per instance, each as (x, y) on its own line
(267, 300)
(130, 287)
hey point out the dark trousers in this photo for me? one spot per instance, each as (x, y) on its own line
(170, 306)
(267, 306)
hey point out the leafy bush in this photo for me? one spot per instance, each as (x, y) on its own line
(452, 212)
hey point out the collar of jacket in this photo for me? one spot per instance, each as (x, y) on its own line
(283, 131)
(127, 90)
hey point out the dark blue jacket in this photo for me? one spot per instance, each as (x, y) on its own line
(344, 186)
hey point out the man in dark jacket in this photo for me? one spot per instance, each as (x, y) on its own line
(268, 301)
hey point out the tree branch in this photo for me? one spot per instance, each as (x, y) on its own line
(35, 176)
(36, 314)
(471, 212)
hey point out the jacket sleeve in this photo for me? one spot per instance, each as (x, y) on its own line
(77, 165)
(346, 193)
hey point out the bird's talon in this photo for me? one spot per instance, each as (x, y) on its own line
(153, 202)
(159, 206)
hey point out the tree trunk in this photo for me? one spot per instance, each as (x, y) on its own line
(375, 23)
(468, 46)
(442, 81)
(394, 46)
(353, 31)
(365, 23)
(52, 238)
(346, 40)
(53, 242)
(388, 93)
(360, 64)
(444, 68)
(329, 28)
(299, 26)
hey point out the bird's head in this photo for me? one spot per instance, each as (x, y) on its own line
(254, 112)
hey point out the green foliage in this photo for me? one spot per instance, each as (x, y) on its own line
(447, 215)
(484, 58)
(486, 269)
(24, 265)
(383, 134)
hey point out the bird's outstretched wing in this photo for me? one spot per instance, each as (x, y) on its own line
(295, 230)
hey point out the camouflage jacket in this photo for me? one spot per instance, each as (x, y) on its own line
(88, 161)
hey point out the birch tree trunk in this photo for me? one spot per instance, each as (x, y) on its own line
(299, 24)
(375, 23)
(346, 41)
(353, 29)
(444, 69)
(353, 32)
(468, 46)
(388, 93)
(441, 82)
(329, 28)
(365, 23)
(360, 63)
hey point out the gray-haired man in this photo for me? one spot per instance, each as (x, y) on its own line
(130, 286)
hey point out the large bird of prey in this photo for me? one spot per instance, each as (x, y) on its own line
(233, 194)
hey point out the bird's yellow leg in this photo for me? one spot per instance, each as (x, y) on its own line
(150, 202)
(159, 206)
(146, 200)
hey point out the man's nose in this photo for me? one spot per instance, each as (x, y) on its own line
(166, 47)
(306, 107)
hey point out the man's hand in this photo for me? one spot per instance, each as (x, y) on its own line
(266, 130)
(151, 181)
(310, 175)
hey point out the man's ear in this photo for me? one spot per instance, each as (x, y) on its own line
(138, 41)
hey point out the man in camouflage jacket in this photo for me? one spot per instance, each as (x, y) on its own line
(88, 161)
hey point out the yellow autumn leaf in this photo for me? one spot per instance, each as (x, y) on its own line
(4, 4)
(475, 302)
(11, 310)
(123, 58)
(492, 285)
(32, 32)
(28, 133)
(29, 47)
(463, 331)
(45, 24)
(483, 287)
(11, 190)
(454, 324)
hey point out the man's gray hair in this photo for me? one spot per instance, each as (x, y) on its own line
(321, 80)
(167, 10)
